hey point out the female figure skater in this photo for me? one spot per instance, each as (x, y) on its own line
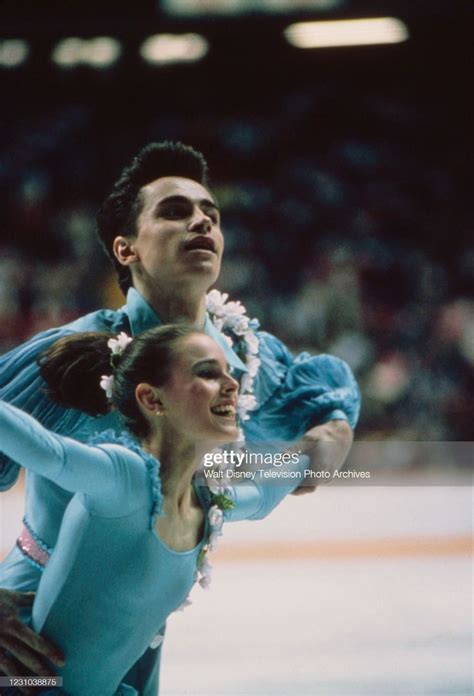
(161, 227)
(135, 535)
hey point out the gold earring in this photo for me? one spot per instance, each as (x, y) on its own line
(159, 413)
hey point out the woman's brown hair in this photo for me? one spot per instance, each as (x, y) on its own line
(73, 367)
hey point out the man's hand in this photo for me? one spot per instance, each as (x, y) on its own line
(22, 651)
(327, 446)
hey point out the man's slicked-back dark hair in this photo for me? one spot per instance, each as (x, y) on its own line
(118, 213)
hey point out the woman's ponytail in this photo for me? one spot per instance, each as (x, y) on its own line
(74, 366)
(72, 369)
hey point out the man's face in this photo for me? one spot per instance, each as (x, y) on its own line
(178, 233)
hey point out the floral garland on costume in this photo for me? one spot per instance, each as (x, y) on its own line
(239, 332)
(215, 516)
(220, 503)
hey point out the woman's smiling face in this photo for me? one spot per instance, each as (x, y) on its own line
(200, 396)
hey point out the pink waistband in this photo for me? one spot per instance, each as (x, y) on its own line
(31, 548)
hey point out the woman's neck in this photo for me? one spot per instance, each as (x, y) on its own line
(178, 464)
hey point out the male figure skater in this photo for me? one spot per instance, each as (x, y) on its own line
(161, 227)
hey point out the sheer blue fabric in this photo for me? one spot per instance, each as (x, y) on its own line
(295, 394)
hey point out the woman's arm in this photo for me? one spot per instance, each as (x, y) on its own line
(71, 464)
(22, 386)
(257, 498)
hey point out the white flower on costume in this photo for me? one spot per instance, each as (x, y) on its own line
(205, 570)
(238, 324)
(230, 317)
(205, 582)
(107, 384)
(253, 364)
(234, 309)
(252, 342)
(215, 302)
(214, 486)
(216, 517)
(245, 402)
(246, 383)
(221, 488)
(118, 345)
(214, 541)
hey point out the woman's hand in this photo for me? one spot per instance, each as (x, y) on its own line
(22, 651)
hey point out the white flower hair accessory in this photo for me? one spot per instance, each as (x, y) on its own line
(107, 384)
(117, 347)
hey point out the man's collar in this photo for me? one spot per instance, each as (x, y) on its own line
(231, 356)
(140, 314)
(142, 317)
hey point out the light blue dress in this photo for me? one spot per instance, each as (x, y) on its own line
(111, 582)
(293, 394)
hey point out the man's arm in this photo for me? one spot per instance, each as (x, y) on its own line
(296, 393)
(312, 401)
(327, 446)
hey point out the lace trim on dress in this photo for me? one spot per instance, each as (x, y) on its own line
(152, 465)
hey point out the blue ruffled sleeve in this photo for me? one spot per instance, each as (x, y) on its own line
(296, 394)
(22, 386)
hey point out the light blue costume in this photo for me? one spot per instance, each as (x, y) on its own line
(107, 547)
(293, 394)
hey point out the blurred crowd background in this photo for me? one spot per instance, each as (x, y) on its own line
(344, 180)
